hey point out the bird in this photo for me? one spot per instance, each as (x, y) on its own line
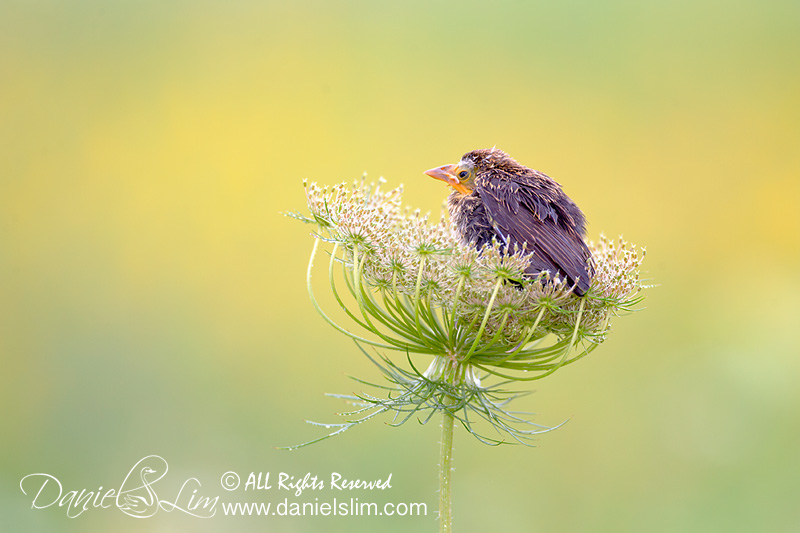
(496, 198)
(138, 505)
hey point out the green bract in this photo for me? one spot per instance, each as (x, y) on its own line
(407, 285)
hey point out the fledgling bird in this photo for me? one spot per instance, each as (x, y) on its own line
(496, 197)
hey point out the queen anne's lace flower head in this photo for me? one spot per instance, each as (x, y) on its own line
(412, 287)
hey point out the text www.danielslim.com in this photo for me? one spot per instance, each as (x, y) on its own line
(351, 507)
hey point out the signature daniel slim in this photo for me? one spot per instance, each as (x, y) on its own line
(137, 496)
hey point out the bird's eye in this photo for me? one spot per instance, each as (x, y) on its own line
(463, 174)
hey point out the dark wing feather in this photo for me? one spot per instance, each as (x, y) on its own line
(533, 209)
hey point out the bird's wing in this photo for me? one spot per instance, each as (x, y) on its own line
(523, 211)
(134, 503)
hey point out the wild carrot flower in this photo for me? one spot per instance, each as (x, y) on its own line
(407, 285)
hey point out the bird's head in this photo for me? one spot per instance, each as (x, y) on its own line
(461, 176)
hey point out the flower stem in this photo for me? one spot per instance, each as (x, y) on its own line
(485, 318)
(445, 471)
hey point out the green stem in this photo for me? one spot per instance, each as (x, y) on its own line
(416, 293)
(445, 471)
(485, 319)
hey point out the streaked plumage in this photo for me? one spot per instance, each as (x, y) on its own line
(496, 197)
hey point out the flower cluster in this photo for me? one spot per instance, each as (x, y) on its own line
(412, 287)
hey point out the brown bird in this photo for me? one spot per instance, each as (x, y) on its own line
(496, 197)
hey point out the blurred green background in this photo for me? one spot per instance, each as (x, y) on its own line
(152, 297)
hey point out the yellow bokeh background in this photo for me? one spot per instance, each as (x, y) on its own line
(152, 296)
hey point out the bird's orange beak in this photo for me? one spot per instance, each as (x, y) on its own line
(447, 175)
